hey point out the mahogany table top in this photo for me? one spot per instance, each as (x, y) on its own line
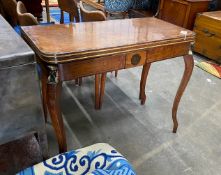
(63, 43)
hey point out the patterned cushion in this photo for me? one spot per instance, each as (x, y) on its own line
(98, 159)
(118, 5)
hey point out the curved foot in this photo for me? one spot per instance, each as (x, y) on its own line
(143, 80)
(189, 63)
(143, 100)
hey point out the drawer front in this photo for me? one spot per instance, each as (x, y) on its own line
(135, 59)
(207, 45)
(168, 51)
(72, 70)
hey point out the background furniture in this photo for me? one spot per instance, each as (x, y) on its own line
(20, 104)
(108, 54)
(219, 4)
(215, 5)
(9, 11)
(34, 7)
(94, 3)
(182, 12)
(118, 6)
(208, 35)
(151, 8)
(24, 18)
(69, 6)
(99, 159)
(91, 15)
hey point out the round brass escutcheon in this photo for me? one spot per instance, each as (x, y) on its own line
(135, 59)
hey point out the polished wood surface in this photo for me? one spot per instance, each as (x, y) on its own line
(208, 35)
(189, 64)
(143, 80)
(67, 52)
(182, 12)
(93, 39)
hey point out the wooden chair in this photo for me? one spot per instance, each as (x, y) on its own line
(24, 18)
(9, 8)
(87, 15)
(34, 7)
(69, 6)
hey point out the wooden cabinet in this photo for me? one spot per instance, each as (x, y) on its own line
(208, 35)
(219, 5)
(182, 12)
(34, 7)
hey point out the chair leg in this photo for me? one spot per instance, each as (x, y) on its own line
(99, 89)
(71, 17)
(97, 82)
(102, 88)
(124, 14)
(116, 73)
(80, 81)
(76, 81)
(62, 17)
(47, 10)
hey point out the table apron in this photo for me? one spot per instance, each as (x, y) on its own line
(82, 68)
(166, 52)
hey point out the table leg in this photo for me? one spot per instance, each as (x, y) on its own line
(116, 73)
(62, 17)
(47, 10)
(189, 64)
(143, 80)
(102, 88)
(80, 81)
(97, 82)
(53, 102)
(44, 80)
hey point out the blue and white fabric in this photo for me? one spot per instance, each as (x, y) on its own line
(118, 5)
(98, 159)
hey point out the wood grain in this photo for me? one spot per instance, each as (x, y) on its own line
(169, 51)
(208, 35)
(65, 43)
(70, 71)
(189, 64)
(182, 12)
